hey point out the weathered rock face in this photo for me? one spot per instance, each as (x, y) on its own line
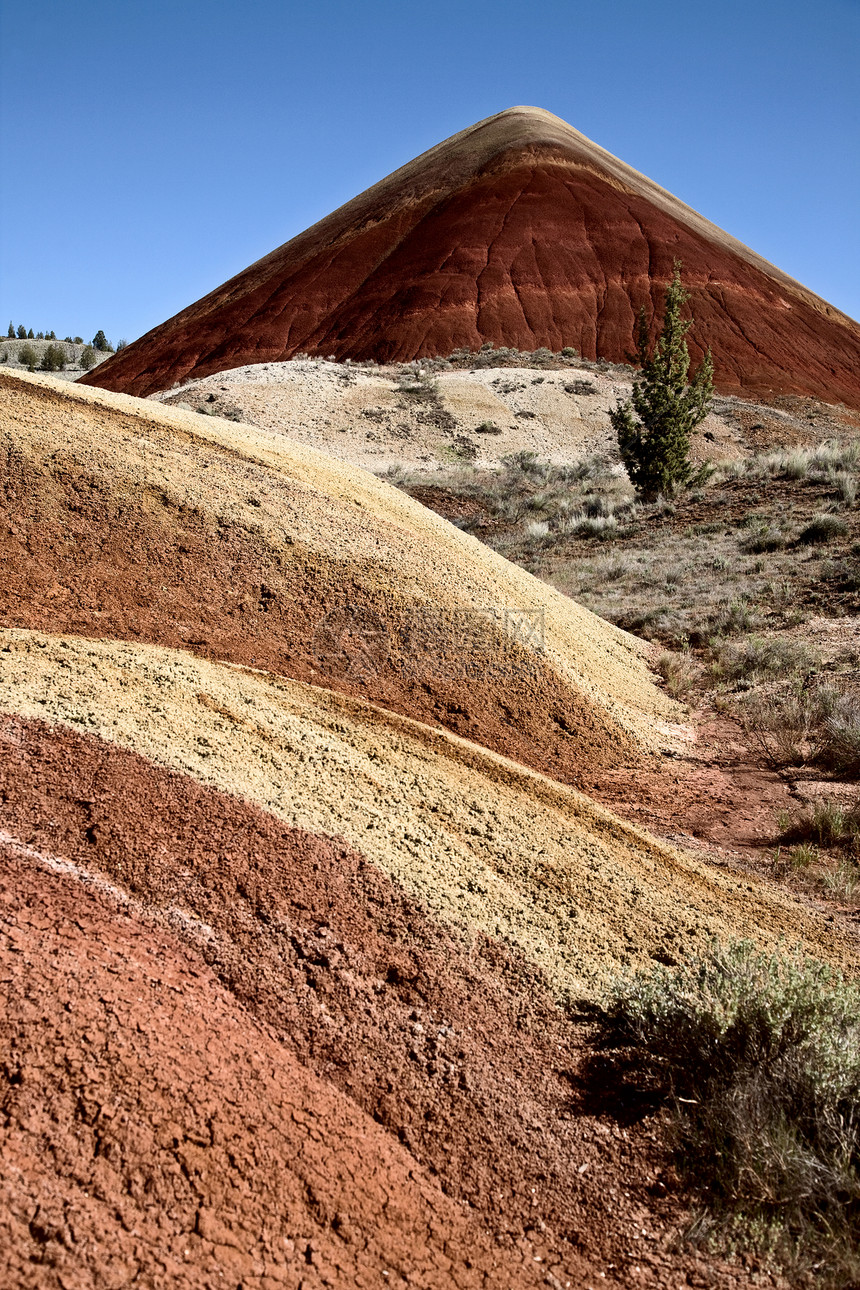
(521, 232)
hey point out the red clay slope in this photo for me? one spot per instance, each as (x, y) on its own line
(518, 231)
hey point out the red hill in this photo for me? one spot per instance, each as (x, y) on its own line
(518, 231)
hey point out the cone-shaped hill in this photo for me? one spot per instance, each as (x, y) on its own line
(518, 231)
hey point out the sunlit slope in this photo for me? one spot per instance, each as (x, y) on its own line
(135, 521)
(485, 844)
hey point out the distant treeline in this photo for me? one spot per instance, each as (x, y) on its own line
(99, 341)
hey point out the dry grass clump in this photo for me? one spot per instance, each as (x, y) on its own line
(787, 727)
(824, 858)
(681, 671)
(417, 382)
(757, 1058)
(764, 536)
(490, 355)
(755, 658)
(840, 745)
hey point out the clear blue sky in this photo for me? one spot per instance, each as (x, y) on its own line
(153, 148)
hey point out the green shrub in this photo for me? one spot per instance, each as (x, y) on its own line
(823, 528)
(758, 1056)
(88, 358)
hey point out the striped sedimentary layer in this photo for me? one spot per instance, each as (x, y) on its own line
(125, 519)
(301, 971)
(487, 845)
(288, 965)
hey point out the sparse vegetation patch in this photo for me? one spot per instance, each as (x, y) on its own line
(757, 1058)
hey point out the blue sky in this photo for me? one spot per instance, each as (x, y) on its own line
(151, 149)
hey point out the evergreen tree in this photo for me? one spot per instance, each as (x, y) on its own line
(40, 335)
(11, 331)
(101, 343)
(88, 358)
(655, 442)
(30, 334)
(53, 359)
(22, 332)
(28, 357)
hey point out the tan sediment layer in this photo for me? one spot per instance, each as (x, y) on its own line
(487, 845)
(134, 520)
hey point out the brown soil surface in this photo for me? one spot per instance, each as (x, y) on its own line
(123, 519)
(154, 1133)
(247, 1034)
(521, 232)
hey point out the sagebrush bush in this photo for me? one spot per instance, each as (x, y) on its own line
(758, 1055)
(822, 528)
(841, 741)
(787, 728)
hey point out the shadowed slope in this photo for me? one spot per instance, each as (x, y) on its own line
(130, 520)
(518, 231)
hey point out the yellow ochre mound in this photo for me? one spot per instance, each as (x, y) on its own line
(130, 520)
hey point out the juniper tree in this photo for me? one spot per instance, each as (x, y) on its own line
(11, 331)
(53, 359)
(28, 357)
(655, 424)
